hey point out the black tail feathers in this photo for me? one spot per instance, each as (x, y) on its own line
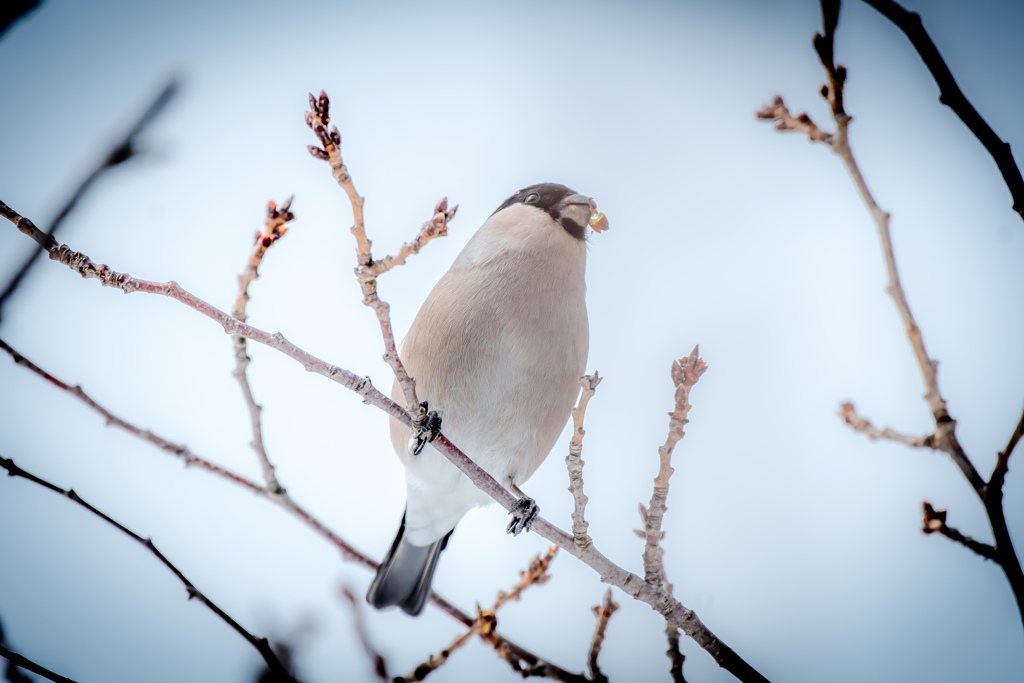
(404, 576)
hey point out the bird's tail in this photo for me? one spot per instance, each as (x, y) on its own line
(404, 576)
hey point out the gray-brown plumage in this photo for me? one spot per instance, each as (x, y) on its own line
(497, 349)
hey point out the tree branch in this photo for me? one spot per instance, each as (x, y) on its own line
(951, 96)
(944, 438)
(850, 417)
(273, 230)
(22, 662)
(654, 596)
(602, 613)
(486, 623)
(366, 270)
(935, 522)
(348, 552)
(123, 150)
(260, 644)
(675, 655)
(380, 666)
(685, 373)
(574, 463)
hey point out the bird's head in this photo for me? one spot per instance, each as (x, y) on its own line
(573, 211)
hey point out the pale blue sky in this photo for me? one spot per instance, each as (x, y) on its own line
(795, 540)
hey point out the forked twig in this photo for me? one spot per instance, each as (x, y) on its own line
(944, 438)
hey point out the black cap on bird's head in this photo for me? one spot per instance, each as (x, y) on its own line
(571, 210)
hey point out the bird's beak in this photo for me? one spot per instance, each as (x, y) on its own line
(582, 210)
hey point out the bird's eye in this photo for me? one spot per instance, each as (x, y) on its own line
(532, 198)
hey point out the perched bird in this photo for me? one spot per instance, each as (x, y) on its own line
(497, 351)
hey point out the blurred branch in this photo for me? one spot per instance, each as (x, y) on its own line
(850, 417)
(12, 10)
(125, 149)
(675, 654)
(15, 662)
(574, 463)
(944, 437)
(273, 230)
(380, 666)
(602, 613)
(348, 552)
(935, 522)
(951, 96)
(260, 644)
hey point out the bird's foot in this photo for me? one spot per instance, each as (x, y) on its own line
(428, 431)
(523, 512)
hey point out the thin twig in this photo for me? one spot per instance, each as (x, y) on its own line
(951, 96)
(273, 230)
(261, 644)
(935, 522)
(524, 658)
(22, 662)
(850, 416)
(944, 437)
(380, 665)
(123, 150)
(574, 463)
(602, 613)
(685, 373)
(654, 596)
(318, 118)
(486, 623)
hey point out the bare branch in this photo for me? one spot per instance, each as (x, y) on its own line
(674, 654)
(180, 451)
(602, 613)
(260, 644)
(435, 662)
(944, 438)
(511, 650)
(574, 463)
(935, 522)
(850, 416)
(1003, 459)
(685, 373)
(380, 666)
(534, 575)
(951, 96)
(801, 123)
(653, 595)
(366, 270)
(22, 662)
(273, 230)
(125, 149)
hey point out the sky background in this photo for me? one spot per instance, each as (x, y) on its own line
(795, 539)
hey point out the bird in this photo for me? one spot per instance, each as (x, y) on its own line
(497, 351)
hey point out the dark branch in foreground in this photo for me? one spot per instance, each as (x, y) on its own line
(261, 644)
(125, 149)
(21, 662)
(951, 96)
(944, 438)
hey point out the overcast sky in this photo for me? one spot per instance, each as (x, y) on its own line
(795, 539)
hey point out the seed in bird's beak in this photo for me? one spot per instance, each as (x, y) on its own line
(597, 219)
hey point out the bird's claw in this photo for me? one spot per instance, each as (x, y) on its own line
(523, 512)
(428, 431)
